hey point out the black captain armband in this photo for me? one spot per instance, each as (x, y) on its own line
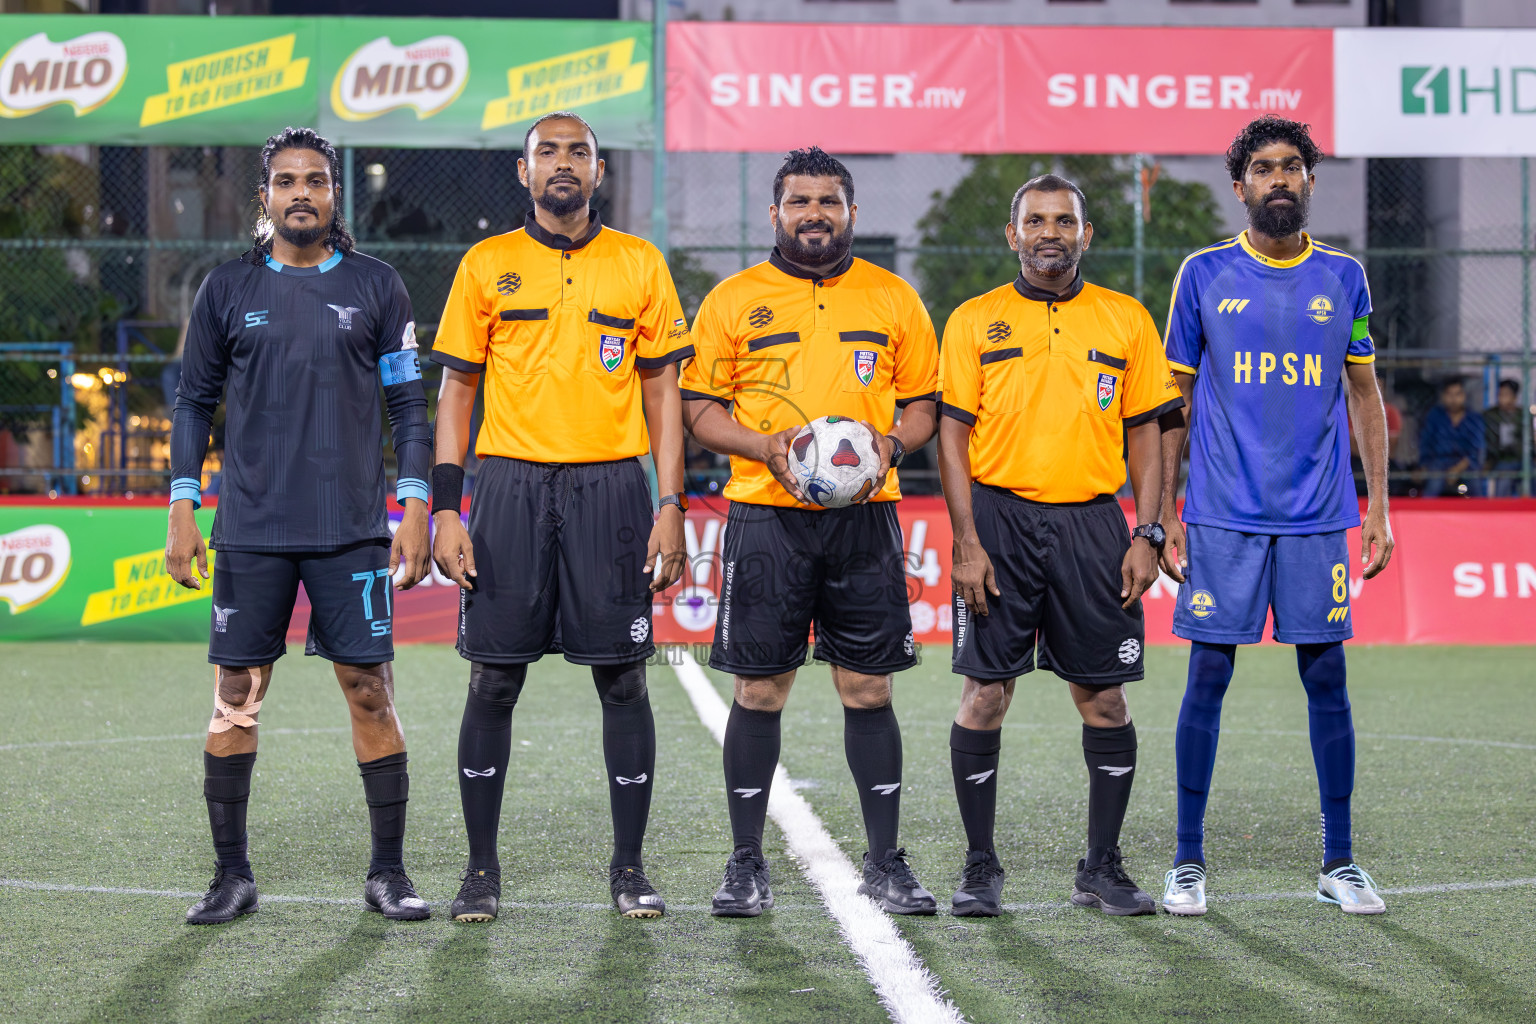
(447, 487)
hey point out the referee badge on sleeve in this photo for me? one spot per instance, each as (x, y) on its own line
(864, 365)
(611, 350)
(1106, 389)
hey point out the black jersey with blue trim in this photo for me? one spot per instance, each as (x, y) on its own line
(299, 355)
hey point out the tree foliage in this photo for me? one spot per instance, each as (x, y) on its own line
(966, 253)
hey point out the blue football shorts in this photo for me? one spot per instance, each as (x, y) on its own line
(1235, 578)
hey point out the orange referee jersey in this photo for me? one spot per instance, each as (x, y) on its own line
(1046, 382)
(782, 347)
(559, 329)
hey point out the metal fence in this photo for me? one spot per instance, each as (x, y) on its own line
(102, 250)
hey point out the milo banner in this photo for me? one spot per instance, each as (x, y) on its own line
(134, 80)
(84, 572)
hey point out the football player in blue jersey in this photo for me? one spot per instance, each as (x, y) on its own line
(1268, 340)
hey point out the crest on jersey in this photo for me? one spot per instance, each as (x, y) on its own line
(1201, 604)
(611, 350)
(344, 315)
(1106, 389)
(1320, 309)
(864, 365)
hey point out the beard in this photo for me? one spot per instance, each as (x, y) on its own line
(562, 204)
(303, 238)
(1051, 267)
(1281, 221)
(831, 251)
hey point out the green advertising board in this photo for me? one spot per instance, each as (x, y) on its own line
(134, 80)
(70, 572)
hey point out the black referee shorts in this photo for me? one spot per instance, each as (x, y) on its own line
(560, 563)
(1058, 567)
(787, 568)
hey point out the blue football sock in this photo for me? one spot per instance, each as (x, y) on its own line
(1194, 743)
(1333, 740)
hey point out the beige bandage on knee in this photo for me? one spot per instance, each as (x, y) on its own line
(226, 716)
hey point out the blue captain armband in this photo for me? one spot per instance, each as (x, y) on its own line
(399, 367)
(187, 487)
(411, 487)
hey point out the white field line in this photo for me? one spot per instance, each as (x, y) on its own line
(1455, 740)
(276, 731)
(187, 736)
(112, 890)
(904, 986)
(1216, 898)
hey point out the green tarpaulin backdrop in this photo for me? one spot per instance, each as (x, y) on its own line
(401, 82)
(94, 573)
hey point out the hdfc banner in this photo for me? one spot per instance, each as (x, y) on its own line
(988, 89)
(1433, 92)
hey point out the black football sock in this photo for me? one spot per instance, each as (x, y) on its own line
(485, 744)
(629, 750)
(973, 755)
(1111, 757)
(751, 754)
(227, 789)
(387, 788)
(872, 742)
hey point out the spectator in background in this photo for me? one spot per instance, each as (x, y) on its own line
(1501, 426)
(1451, 442)
(1394, 431)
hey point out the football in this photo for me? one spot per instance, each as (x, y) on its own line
(835, 461)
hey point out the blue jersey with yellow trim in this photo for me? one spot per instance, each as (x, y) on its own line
(1268, 341)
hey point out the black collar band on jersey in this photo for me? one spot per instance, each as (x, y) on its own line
(784, 266)
(1029, 291)
(561, 242)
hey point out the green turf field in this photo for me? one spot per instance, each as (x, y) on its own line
(1447, 752)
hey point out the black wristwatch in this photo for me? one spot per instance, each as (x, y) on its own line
(1154, 534)
(680, 500)
(898, 450)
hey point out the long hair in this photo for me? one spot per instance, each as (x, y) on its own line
(339, 239)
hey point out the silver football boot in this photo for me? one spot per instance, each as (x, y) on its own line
(1351, 889)
(1184, 890)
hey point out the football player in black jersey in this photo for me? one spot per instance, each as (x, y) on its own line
(303, 330)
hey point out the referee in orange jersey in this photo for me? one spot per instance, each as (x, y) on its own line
(812, 331)
(577, 331)
(1046, 384)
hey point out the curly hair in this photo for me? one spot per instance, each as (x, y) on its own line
(340, 239)
(815, 162)
(1262, 131)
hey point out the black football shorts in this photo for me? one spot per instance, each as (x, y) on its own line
(1058, 567)
(560, 562)
(351, 600)
(785, 569)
